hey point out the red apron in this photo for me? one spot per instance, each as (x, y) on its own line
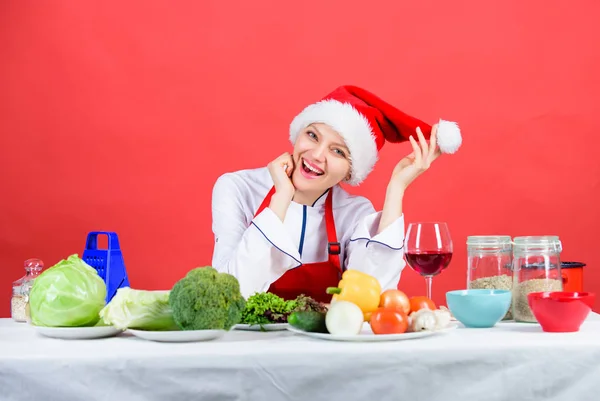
(311, 279)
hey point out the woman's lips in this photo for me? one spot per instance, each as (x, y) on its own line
(308, 175)
(314, 166)
(307, 172)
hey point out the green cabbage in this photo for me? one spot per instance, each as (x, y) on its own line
(68, 294)
(139, 309)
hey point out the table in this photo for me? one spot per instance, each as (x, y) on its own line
(509, 362)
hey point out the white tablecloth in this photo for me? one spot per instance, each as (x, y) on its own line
(509, 362)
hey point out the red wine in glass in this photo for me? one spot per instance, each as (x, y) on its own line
(428, 249)
(429, 263)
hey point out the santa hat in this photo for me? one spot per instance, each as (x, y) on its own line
(366, 122)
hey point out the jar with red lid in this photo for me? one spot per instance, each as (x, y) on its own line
(572, 276)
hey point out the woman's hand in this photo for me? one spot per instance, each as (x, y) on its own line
(405, 172)
(415, 164)
(281, 170)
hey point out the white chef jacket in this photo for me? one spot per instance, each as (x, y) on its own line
(259, 250)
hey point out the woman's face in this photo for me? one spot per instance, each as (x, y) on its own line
(321, 159)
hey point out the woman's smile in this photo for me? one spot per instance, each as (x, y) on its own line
(310, 170)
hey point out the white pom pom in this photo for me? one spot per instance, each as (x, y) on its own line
(448, 136)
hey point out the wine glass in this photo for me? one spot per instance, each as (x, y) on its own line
(428, 249)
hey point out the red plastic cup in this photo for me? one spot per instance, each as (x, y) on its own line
(561, 311)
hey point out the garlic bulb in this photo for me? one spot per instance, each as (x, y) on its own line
(422, 320)
(442, 318)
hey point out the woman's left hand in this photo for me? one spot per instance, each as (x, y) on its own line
(415, 164)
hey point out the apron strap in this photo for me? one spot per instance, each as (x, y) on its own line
(265, 201)
(333, 246)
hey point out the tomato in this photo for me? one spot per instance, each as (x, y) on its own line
(421, 302)
(395, 299)
(389, 321)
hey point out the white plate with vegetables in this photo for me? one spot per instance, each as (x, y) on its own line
(78, 333)
(367, 335)
(178, 336)
(262, 327)
(344, 321)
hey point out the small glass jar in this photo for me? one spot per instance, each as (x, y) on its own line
(489, 263)
(536, 268)
(20, 290)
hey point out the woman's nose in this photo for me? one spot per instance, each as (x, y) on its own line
(318, 153)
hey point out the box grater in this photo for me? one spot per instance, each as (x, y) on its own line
(108, 263)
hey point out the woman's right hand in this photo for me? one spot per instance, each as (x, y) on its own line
(281, 170)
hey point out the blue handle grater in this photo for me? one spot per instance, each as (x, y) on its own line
(108, 263)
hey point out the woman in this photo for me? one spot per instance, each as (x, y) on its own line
(290, 228)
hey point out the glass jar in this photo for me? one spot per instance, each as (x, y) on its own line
(489, 263)
(536, 268)
(21, 287)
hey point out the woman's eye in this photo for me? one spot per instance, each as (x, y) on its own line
(311, 134)
(339, 152)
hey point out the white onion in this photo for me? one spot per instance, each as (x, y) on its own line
(344, 318)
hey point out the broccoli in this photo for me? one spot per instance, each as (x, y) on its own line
(206, 300)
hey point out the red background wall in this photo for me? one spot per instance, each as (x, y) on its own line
(121, 115)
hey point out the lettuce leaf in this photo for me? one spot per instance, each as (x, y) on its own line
(139, 309)
(265, 307)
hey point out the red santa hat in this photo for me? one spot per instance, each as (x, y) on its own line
(366, 123)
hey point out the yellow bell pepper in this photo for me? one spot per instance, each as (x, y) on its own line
(359, 288)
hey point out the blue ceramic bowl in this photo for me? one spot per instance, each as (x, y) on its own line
(478, 308)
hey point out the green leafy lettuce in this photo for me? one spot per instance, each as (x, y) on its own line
(265, 307)
(139, 309)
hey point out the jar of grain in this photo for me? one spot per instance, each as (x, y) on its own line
(489, 263)
(536, 268)
(21, 287)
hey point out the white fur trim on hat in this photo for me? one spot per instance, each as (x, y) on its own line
(351, 125)
(449, 138)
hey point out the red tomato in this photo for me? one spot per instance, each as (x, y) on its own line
(389, 321)
(421, 302)
(395, 299)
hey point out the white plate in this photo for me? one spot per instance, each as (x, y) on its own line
(181, 336)
(264, 327)
(366, 334)
(78, 333)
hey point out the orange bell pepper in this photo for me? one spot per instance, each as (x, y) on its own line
(359, 288)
